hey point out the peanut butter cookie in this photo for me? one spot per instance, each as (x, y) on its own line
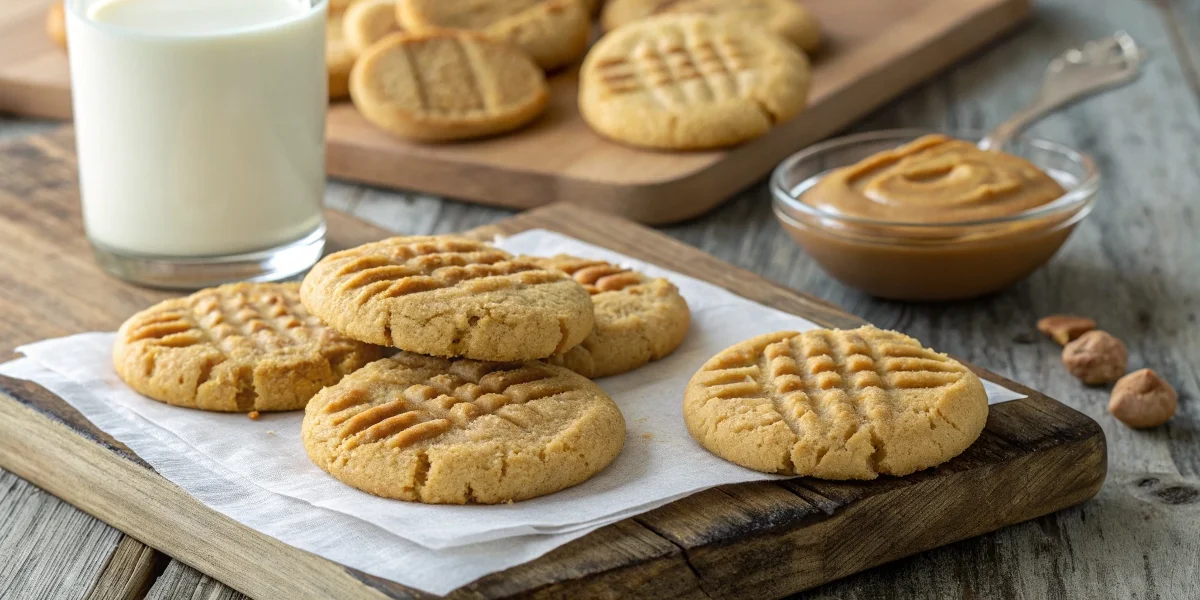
(339, 56)
(446, 86)
(787, 18)
(552, 32)
(687, 82)
(447, 296)
(444, 431)
(367, 22)
(638, 319)
(835, 404)
(236, 348)
(56, 24)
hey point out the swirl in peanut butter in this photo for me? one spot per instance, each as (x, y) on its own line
(934, 179)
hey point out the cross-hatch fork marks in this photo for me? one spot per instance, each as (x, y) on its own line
(824, 368)
(662, 72)
(854, 364)
(778, 375)
(598, 276)
(400, 254)
(242, 322)
(418, 81)
(472, 69)
(283, 317)
(445, 401)
(381, 275)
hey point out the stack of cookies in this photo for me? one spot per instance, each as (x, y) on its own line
(487, 397)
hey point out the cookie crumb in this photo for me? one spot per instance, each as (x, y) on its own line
(648, 436)
(254, 415)
(270, 432)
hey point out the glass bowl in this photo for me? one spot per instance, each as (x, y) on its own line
(931, 261)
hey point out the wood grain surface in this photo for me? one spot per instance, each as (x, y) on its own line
(1034, 457)
(1134, 265)
(49, 549)
(875, 50)
(182, 581)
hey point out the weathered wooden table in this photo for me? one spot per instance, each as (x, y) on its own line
(1134, 266)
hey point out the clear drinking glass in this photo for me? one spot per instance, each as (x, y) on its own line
(200, 133)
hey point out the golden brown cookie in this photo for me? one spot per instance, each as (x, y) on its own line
(447, 296)
(835, 404)
(456, 431)
(638, 319)
(339, 57)
(236, 348)
(787, 18)
(687, 82)
(56, 25)
(552, 32)
(337, 7)
(447, 86)
(367, 22)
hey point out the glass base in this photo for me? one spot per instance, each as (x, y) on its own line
(178, 273)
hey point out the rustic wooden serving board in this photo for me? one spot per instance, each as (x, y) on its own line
(1035, 456)
(876, 50)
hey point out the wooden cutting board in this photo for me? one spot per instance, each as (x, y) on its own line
(770, 539)
(876, 50)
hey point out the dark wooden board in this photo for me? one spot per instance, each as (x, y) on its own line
(1035, 456)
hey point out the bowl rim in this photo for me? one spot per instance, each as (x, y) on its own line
(1077, 197)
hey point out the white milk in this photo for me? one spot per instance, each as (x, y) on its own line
(200, 123)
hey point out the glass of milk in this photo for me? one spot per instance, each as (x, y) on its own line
(200, 130)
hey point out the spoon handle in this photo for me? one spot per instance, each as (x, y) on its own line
(1097, 65)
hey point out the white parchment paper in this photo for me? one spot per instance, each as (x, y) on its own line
(257, 472)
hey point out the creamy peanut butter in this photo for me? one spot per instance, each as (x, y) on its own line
(934, 179)
(906, 223)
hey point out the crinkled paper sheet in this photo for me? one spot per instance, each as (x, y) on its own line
(257, 472)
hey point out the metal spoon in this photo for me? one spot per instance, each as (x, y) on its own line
(1097, 65)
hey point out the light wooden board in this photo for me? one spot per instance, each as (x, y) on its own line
(1036, 456)
(875, 51)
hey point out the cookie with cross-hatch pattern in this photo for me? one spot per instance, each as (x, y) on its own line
(446, 85)
(339, 57)
(236, 348)
(368, 21)
(835, 404)
(456, 431)
(638, 319)
(448, 296)
(56, 24)
(687, 82)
